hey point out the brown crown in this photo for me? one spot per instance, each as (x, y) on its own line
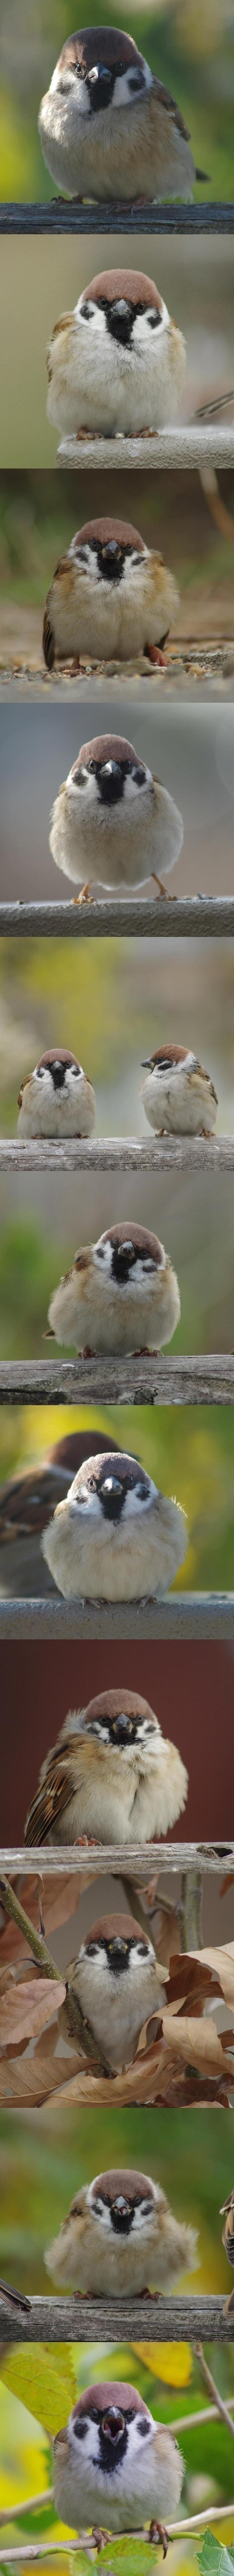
(111, 2392)
(109, 1924)
(177, 1054)
(99, 44)
(136, 2186)
(130, 282)
(103, 529)
(107, 1460)
(138, 1235)
(111, 1702)
(105, 746)
(72, 1451)
(57, 1055)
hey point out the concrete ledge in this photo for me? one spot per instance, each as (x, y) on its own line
(187, 917)
(194, 445)
(188, 1614)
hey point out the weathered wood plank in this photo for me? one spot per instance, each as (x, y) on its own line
(118, 1154)
(136, 1860)
(54, 2320)
(196, 917)
(61, 217)
(190, 1614)
(192, 1380)
(193, 445)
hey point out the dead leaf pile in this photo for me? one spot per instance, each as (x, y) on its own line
(182, 2058)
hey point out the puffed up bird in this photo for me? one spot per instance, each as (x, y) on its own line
(112, 822)
(120, 1295)
(227, 2212)
(111, 594)
(120, 2238)
(114, 2464)
(116, 1538)
(26, 1503)
(178, 1096)
(119, 1984)
(109, 128)
(117, 363)
(111, 1776)
(57, 1099)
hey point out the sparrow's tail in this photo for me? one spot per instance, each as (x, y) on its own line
(203, 174)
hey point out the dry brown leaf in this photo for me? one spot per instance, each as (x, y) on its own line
(60, 1897)
(25, 2010)
(191, 1983)
(25, 2083)
(221, 1962)
(199, 2043)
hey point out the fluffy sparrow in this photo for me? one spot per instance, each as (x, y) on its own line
(120, 2238)
(119, 1984)
(113, 2463)
(178, 1096)
(111, 1776)
(112, 822)
(119, 1295)
(117, 362)
(57, 1098)
(26, 1503)
(108, 127)
(116, 1538)
(110, 595)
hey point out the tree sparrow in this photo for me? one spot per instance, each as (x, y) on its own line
(111, 1776)
(112, 822)
(57, 1099)
(110, 594)
(116, 1538)
(119, 1984)
(114, 2462)
(26, 1503)
(108, 127)
(120, 2238)
(120, 1294)
(227, 2212)
(178, 1096)
(117, 362)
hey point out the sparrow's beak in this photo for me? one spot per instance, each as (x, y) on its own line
(111, 1485)
(125, 1251)
(111, 549)
(100, 72)
(146, 1062)
(122, 2205)
(226, 2204)
(110, 769)
(113, 2423)
(122, 306)
(122, 1725)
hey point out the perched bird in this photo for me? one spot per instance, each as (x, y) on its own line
(109, 128)
(119, 1294)
(113, 2460)
(112, 822)
(57, 1099)
(116, 1538)
(111, 1776)
(178, 1096)
(120, 2238)
(110, 594)
(26, 1503)
(227, 2212)
(119, 1984)
(117, 362)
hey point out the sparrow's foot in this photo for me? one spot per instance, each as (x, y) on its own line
(207, 1131)
(148, 2294)
(90, 1844)
(84, 897)
(164, 890)
(99, 2536)
(155, 656)
(145, 1352)
(87, 1354)
(157, 2532)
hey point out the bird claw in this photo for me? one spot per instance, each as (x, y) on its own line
(155, 655)
(157, 2532)
(100, 2536)
(90, 1842)
(168, 898)
(84, 897)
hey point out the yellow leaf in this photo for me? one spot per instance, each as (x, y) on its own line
(43, 2376)
(169, 2361)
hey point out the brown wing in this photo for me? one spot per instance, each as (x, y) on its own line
(52, 1795)
(200, 1069)
(166, 100)
(27, 1078)
(26, 1504)
(48, 642)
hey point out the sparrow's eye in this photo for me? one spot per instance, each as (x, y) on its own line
(91, 768)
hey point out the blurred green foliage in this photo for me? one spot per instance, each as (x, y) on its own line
(39, 511)
(45, 2157)
(190, 49)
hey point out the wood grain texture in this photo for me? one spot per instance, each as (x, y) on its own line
(54, 2320)
(193, 445)
(195, 917)
(118, 1154)
(61, 217)
(188, 1614)
(191, 1380)
(208, 1858)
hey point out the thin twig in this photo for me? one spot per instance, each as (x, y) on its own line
(11, 1906)
(214, 2392)
(62, 2549)
(190, 1910)
(82, 2030)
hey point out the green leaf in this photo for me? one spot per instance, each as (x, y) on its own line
(214, 2559)
(43, 2376)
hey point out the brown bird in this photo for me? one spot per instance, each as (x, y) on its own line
(26, 1503)
(57, 1099)
(113, 2460)
(120, 2238)
(119, 1983)
(117, 364)
(112, 821)
(108, 127)
(111, 1776)
(110, 595)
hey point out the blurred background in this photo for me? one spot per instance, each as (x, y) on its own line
(46, 2157)
(190, 1686)
(191, 748)
(188, 516)
(188, 1450)
(45, 1219)
(190, 48)
(41, 279)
